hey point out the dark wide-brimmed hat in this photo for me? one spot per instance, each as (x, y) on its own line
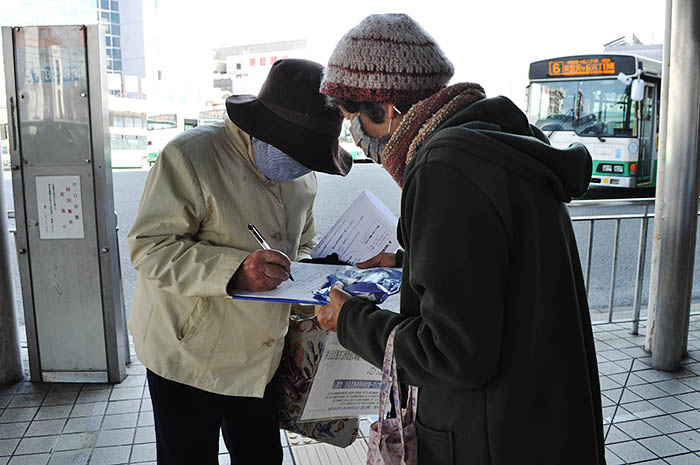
(291, 114)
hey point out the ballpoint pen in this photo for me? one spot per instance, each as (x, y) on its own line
(261, 240)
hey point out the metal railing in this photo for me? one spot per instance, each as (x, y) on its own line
(645, 216)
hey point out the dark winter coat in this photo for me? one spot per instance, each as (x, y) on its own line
(494, 325)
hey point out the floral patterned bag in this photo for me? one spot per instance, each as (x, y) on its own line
(393, 441)
(303, 347)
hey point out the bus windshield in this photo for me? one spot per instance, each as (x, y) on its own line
(594, 107)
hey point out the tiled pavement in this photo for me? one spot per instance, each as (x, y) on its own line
(657, 420)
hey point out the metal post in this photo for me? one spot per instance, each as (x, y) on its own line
(660, 172)
(641, 260)
(681, 206)
(613, 273)
(10, 359)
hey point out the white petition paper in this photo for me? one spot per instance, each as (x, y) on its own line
(366, 228)
(344, 385)
(308, 277)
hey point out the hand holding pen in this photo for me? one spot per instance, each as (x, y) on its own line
(263, 243)
(262, 270)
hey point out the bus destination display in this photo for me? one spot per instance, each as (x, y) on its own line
(584, 67)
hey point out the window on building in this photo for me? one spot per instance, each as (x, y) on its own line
(116, 30)
(117, 53)
(117, 65)
(104, 4)
(263, 61)
(252, 62)
(108, 41)
(160, 75)
(238, 66)
(115, 6)
(105, 16)
(273, 58)
(115, 41)
(114, 17)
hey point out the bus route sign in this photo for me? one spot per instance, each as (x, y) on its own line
(582, 67)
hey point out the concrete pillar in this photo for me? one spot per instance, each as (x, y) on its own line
(681, 190)
(660, 176)
(10, 359)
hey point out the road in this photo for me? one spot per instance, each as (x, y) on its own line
(335, 194)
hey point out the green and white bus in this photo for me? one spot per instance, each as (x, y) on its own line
(609, 103)
(162, 128)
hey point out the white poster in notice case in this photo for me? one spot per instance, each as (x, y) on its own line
(59, 207)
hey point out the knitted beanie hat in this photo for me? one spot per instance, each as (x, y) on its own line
(386, 58)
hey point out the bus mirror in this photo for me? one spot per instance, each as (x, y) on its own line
(637, 91)
(623, 78)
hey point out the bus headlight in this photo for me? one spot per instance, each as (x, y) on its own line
(619, 168)
(606, 168)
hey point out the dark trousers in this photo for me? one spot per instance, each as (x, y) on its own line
(188, 420)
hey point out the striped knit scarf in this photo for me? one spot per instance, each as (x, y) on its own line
(419, 123)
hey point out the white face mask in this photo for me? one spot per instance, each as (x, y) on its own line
(372, 146)
(275, 164)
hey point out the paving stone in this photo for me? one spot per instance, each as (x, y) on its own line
(689, 439)
(648, 391)
(88, 410)
(75, 441)
(26, 400)
(70, 457)
(66, 387)
(691, 418)
(34, 459)
(674, 387)
(8, 446)
(110, 455)
(123, 406)
(13, 415)
(60, 398)
(45, 427)
(146, 419)
(638, 429)
(133, 381)
(115, 437)
(652, 376)
(147, 434)
(691, 398)
(685, 459)
(36, 445)
(663, 446)
(643, 409)
(127, 420)
(670, 405)
(143, 452)
(667, 424)
(98, 395)
(80, 425)
(13, 430)
(606, 384)
(53, 412)
(614, 435)
(631, 451)
(126, 393)
(33, 388)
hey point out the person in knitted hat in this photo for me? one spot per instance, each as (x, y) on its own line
(494, 326)
(210, 359)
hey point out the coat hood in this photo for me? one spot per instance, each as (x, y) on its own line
(567, 170)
